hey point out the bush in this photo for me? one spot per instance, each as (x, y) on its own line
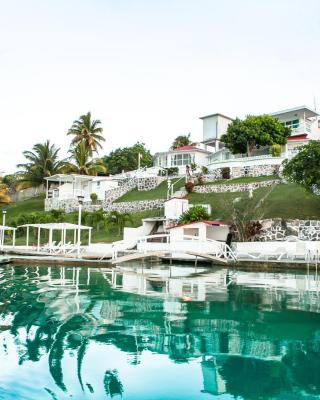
(225, 172)
(195, 213)
(275, 150)
(204, 170)
(189, 187)
(169, 171)
(93, 197)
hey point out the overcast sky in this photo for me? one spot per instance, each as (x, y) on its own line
(149, 68)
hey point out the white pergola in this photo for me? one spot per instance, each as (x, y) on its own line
(62, 227)
(3, 230)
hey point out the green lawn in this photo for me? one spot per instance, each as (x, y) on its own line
(160, 192)
(25, 207)
(285, 201)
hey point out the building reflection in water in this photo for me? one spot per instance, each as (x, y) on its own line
(249, 334)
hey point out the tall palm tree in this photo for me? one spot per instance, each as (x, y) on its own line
(82, 163)
(87, 131)
(43, 161)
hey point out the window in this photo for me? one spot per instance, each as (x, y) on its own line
(161, 161)
(292, 124)
(182, 159)
(98, 184)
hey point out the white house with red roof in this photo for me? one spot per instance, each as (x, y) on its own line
(305, 125)
(183, 156)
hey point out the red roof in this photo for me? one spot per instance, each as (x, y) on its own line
(212, 223)
(298, 137)
(187, 147)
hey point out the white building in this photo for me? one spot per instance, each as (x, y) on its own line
(214, 126)
(65, 187)
(183, 156)
(304, 124)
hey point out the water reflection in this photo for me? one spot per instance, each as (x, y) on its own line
(158, 332)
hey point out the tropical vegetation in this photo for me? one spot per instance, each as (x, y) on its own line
(304, 167)
(81, 162)
(42, 161)
(87, 131)
(193, 214)
(127, 159)
(243, 136)
(181, 140)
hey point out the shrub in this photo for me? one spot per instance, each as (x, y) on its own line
(204, 170)
(225, 172)
(189, 187)
(195, 213)
(275, 150)
(169, 171)
(93, 197)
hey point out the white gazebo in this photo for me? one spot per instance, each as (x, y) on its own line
(3, 230)
(61, 227)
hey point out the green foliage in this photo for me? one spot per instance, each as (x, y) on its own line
(193, 214)
(304, 167)
(171, 171)
(245, 135)
(189, 187)
(225, 172)
(94, 197)
(43, 161)
(118, 219)
(181, 140)
(82, 163)
(275, 150)
(204, 170)
(87, 131)
(126, 159)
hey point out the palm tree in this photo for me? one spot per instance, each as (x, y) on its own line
(43, 161)
(87, 131)
(82, 163)
(4, 197)
(118, 219)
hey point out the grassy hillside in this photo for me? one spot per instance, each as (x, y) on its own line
(285, 201)
(160, 192)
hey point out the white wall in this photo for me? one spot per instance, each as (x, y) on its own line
(102, 188)
(174, 208)
(246, 161)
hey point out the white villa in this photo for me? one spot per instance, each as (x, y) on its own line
(65, 187)
(303, 121)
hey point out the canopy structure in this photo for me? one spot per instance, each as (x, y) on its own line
(3, 230)
(62, 227)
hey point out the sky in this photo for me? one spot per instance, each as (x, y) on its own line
(148, 69)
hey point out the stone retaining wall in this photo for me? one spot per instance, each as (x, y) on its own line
(279, 229)
(135, 206)
(235, 187)
(239, 172)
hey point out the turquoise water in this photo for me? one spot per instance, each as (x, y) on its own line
(158, 332)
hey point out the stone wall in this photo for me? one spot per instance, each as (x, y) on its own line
(235, 187)
(238, 172)
(278, 229)
(71, 205)
(135, 206)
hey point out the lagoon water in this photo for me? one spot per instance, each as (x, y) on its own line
(158, 332)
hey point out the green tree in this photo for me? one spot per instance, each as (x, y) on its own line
(118, 219)
(87, 131)
(126, 159)
(243, 136)
(82, 163)
(181, 140)
(304, 167)
(43, 161)
(193, 214)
